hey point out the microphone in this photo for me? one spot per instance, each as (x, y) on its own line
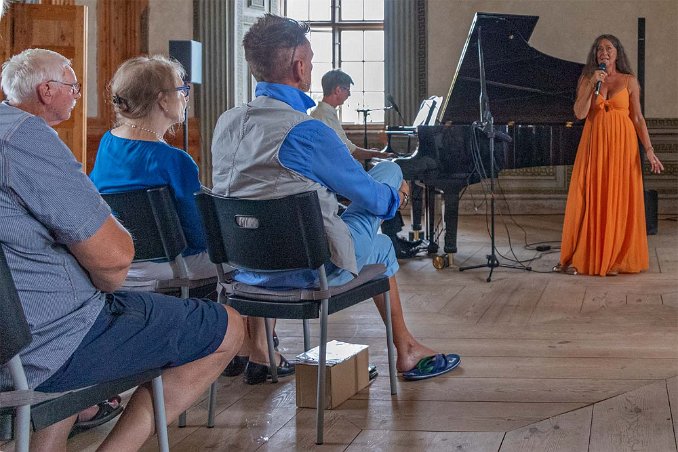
(391, 101)
(602, 67)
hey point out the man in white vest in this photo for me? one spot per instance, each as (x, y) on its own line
(270, 148)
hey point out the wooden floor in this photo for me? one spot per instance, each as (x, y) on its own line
(550, 362)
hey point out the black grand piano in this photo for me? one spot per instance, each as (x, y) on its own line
(531, 95)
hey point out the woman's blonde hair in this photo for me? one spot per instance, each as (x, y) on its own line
(136, 84)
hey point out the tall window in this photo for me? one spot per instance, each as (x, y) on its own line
(347, 35)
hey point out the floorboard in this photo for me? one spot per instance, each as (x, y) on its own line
(550, 362)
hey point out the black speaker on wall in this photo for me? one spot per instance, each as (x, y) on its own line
(651, 211)
(189, 54)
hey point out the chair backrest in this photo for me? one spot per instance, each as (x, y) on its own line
(14, 331)
(274, 234)
(149, 214)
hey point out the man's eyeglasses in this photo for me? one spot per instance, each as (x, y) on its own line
(75, 87)
(346, 88)
(185, 89)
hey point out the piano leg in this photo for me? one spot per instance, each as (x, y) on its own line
(451, 217)
(431, 219)
(416, 196)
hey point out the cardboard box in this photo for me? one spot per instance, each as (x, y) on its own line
(346, 374)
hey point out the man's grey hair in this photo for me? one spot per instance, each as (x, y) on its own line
(334, 78)
(22, 73)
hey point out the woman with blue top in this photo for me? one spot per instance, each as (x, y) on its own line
(149, 98)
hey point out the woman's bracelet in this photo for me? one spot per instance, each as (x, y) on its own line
(406, 199)
(649, 148)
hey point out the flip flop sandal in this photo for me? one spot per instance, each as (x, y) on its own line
(432, 366)
(105, 413)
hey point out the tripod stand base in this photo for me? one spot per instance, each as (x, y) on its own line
(492, 263)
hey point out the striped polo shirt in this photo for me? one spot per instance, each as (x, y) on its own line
(46, 204)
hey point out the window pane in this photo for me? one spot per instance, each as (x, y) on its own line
(348, 110)
(355, 70)
(374, 76)
(321, 43)
(320, 10)
(374, 10)
(374, 45)
(351, 9)
(352, 45)
(375, 100)
(297, 9)
(359, 53)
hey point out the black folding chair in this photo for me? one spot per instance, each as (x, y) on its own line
(286, 234)
(149, 214)
(44, 409)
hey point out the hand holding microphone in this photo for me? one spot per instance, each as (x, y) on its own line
(600, 76)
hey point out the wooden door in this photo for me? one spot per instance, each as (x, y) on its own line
(63, 29)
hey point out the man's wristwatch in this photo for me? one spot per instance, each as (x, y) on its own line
(406, 199)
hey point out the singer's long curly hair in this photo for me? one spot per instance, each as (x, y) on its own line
(622, 63)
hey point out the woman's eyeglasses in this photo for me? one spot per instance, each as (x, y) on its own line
(185, 89)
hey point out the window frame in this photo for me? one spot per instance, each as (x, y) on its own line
(336, 25)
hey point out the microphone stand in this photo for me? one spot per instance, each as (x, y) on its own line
(365, 112)
(486, 125)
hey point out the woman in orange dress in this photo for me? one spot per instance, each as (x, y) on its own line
(604, 228)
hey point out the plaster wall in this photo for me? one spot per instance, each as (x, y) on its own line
(566, 29)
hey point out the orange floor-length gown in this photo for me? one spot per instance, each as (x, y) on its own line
(604, 227)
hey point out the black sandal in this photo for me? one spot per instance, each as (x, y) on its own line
(105, 413)
(236, 366)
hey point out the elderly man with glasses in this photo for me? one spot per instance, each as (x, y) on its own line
(67, 254)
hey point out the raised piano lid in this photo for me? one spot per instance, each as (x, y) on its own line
(524, 85)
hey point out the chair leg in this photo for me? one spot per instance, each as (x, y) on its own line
(307, 335)
(389, 344)
(160, 416)
(211, 405)
(22, 422)
(322, 356)
(181, 423)
(271, 351)
(22, 428)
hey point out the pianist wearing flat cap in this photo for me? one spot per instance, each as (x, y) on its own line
(604, 227)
